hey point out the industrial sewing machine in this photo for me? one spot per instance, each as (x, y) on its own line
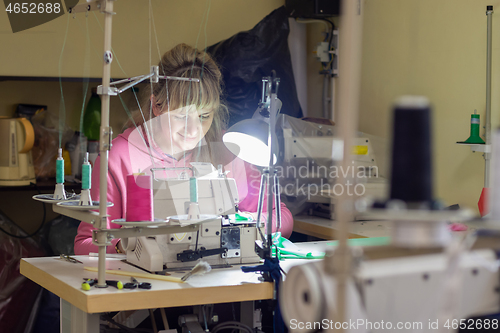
(220, 240)
(309, 165)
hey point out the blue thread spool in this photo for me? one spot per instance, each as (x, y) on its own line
(59, 167)
(193, 189)
(86, 173)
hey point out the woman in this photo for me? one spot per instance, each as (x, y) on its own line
(178, 123)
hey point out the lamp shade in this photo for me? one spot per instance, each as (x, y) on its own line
(248, 139)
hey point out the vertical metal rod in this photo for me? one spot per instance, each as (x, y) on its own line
(333, 98)
(263, 181)
(104, 143)
(487, 156)
(326, 111)
(277, 201)
(270, 184)
(340, 263)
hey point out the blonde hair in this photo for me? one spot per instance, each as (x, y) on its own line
(186, 61)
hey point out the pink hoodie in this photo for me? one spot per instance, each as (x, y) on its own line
(129, 154)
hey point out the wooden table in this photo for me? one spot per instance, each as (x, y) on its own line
(80, 309)
(326, 229)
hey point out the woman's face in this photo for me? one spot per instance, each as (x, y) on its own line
(184, 128)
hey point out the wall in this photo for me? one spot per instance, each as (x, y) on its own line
(37, 51)
(436, 49)
(427, 47)
(136, 42)
(431, 48)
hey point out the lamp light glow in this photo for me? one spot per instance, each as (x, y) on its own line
(248, 140)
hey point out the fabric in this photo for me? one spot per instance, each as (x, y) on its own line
(248, 56)
(130, 154)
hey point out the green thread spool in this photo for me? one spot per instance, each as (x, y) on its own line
(193, 189)
(86, 173)
(474, 130)
(59, 167)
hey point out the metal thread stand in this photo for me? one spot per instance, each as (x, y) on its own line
(266, 182)
(269, 177)
(102, 236)
(487, 155)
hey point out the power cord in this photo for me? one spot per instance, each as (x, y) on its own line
(232, 325)
(107, 317)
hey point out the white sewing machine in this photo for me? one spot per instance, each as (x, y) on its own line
(218, 241)
(415, 293)
(310, 165)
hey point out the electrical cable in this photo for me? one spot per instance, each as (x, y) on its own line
(107, 317)
(232, 325)
(39, 227)
(85, 83)
(196, 244)
(328, 66)
(205, 317)
(299, 20)
(62, 109)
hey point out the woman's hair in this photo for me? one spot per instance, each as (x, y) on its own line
(186, 61)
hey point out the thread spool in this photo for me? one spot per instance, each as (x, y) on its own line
(411, 174)
(59, 167)
(194, 209)
(193, 189)
(85, 197)
(474, 137)
(86, 173)
(139, 198)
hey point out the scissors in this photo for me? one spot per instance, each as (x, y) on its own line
(70, 259)
(134, 284)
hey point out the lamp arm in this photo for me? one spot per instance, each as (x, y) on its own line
(271, 183)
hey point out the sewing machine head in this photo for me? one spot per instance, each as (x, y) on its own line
(220, 240)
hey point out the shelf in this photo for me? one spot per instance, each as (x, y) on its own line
(484, 148)
(44, 186)
(52, 79)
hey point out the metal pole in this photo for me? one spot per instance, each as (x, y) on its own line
(270, 183)
(487, 156)
(333, 99)
(277, 201)
(104, 143)
(339, 265)
(263, 181)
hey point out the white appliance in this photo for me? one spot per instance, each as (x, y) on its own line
(16, 163)
(218, 241)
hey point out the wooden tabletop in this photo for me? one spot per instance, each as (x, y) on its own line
(220, 285)
(327, 229)
(65, 279)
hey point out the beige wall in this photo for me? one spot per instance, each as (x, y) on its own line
(435, 48)
(37, 52)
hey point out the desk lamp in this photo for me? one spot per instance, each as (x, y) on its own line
(254, 141)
